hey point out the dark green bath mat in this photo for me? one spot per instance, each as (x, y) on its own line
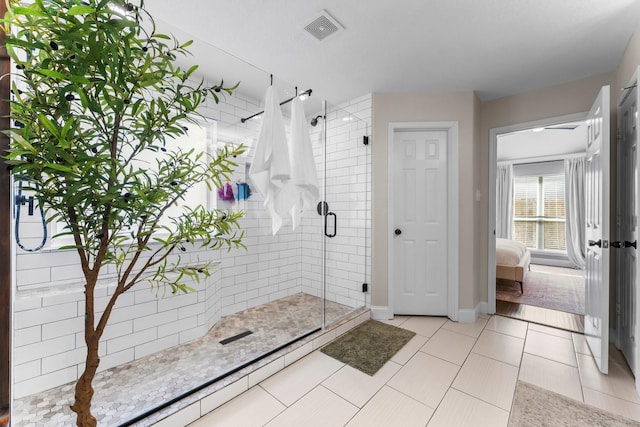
(368, 346)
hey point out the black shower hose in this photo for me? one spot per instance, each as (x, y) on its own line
(20, 199)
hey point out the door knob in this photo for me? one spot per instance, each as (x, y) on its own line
(597, 243)
(398, 232)
(623, 244)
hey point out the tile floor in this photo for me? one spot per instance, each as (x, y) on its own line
(449, 374)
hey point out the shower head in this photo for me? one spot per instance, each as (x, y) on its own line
(314, 121)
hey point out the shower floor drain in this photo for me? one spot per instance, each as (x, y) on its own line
(235, 337)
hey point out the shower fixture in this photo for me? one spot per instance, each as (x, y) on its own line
(286, 101)
(314, 121)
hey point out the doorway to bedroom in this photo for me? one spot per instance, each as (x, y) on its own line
(540, 216)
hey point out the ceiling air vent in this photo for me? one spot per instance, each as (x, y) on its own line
(323, 26)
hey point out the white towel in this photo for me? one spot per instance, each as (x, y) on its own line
(270, 171)
(303, 166)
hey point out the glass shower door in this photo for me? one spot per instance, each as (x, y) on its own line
(347, 207)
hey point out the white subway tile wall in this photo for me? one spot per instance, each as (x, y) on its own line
(348, 194)
(49, 302)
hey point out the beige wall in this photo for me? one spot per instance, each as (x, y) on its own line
(630, 61)
(458, 107)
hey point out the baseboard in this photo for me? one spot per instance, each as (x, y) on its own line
(551, 261)
(469, 315)
(484, 307)
(464, 315)
(381, 312)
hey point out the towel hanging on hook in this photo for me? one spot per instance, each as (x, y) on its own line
(270, 171)
(303, 166)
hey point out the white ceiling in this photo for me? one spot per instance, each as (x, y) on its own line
(495, 47)
(540, 143)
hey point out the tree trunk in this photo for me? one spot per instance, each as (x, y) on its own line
(84, 388)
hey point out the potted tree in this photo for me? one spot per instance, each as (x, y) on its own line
(96, 91)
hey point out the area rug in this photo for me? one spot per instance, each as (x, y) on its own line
(536, 407)
(563, 292)
(368, 346)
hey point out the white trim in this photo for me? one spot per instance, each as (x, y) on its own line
(484, 307)
(543, 159)
(381, 312)
(452, 208)
(469, 315)
(491, 217)
(634, 79)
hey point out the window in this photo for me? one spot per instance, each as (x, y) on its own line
(539, 212)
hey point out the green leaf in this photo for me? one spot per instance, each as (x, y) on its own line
(57, 167)
(78, 79)
(80, 10)
(53, 129)
(27, 11)
(21, 141)
(66, 128)
(52, 73)
(83, 98)
(192, 69)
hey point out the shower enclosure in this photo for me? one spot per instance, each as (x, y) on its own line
(158, 350)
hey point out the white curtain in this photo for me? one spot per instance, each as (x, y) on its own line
(574, 177)
(504, 201)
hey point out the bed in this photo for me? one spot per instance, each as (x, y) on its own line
(512, 260)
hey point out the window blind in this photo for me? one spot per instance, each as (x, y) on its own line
(554, 212)
(539, 211)
(525, 210)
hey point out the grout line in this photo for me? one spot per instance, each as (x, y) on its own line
(259, 385)
(575, 354)
(481, 400)
(279, 413)
(459, 367)
(410, 397)
(340, 397)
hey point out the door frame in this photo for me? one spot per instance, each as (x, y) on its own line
(452, 208)
(635, 79)
(491, 217)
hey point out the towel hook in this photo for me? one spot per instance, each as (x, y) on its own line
(271, 79)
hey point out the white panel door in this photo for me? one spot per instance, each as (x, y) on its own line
(596, 319)
(627, 226)
(420, 222)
